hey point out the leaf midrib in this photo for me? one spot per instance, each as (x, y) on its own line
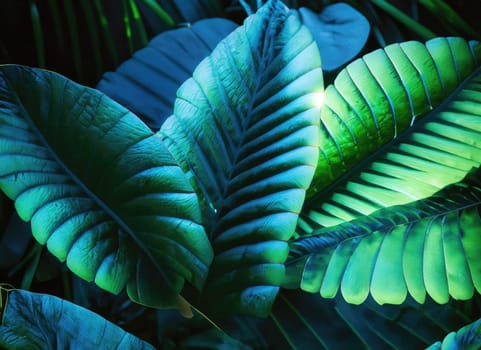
(110, 212)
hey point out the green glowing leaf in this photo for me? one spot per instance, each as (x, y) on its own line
(246, 126)
(430, 246)
(376, 99)
(32, 321)
(100, 189)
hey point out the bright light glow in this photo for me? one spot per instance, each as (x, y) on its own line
(318, 98)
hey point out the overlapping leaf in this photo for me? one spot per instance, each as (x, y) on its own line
(100, 189)
(340, 32)
(32, 321)
(246, 126)
(372, 101)
(466, 338)
(427, 247)
(305, 321)
(146, 83)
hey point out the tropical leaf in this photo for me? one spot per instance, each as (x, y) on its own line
(298, 321)
(340, 32)
(467, 338)
(425, 247)
(246, 126)
(146, 84)
(373, 101)
(100, 189)
(32, 321)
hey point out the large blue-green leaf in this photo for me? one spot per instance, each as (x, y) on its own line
(373, 101)
(430, 246)
(340, 32)
(41, 322)
(466, 338)
(246, 126)
(146, 84)
(100, 189)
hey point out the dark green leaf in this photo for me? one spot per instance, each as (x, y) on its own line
(246, 126)
(146, 84)
(305, 321)
(101, 191)
(41, 321)
(212, 339)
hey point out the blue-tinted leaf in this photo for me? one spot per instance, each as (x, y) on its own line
(466, 338)
(339, 30)
(100, 189)
(246, 126)
(146, 84)
(41, 321)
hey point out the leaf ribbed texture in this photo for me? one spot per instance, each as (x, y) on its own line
(427, 247)
(246, 126)
(41, 321)
(146, 83)
(100, 189)
(400, 84)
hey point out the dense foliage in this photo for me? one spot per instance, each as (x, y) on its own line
(268, 178)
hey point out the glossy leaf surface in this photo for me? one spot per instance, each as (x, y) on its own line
(41, 321)
(100, 189)
(426, 247)
(374, 100)
(246, 126)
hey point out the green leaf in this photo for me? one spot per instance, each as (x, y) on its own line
(374, 100)
(100, 189)
(41, 321)
(246, 126)
(426, 247)
(467, 338)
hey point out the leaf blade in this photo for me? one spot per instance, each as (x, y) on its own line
(79, 200)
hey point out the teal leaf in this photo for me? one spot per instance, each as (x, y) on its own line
(392, 133)
(146, 84)
(41, 321)
(427, 247)
(466, 338)
(246, 126)
(340, 32)
(99, 188)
